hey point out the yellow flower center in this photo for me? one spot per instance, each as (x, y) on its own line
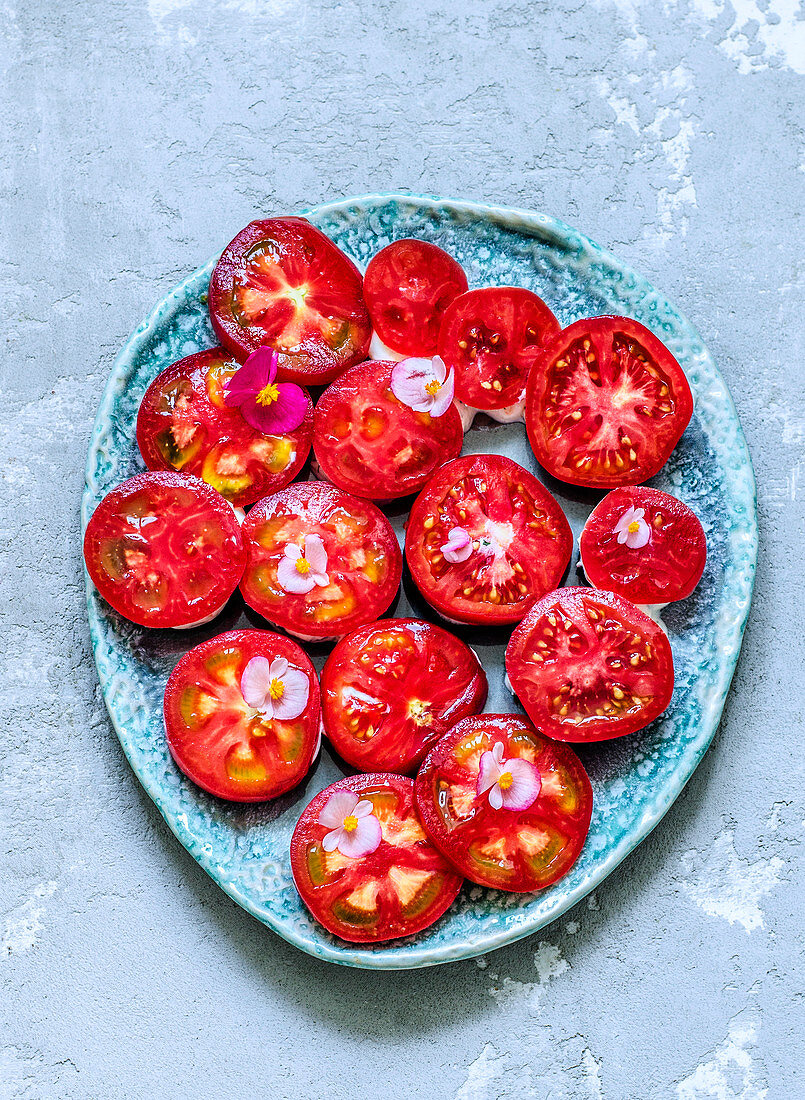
(351, 823)
(268, 395)
(302, 566)
(433, 388)
(505, 781)
(276, 689)
(634, 527)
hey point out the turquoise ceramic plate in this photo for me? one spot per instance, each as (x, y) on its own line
(635, 779)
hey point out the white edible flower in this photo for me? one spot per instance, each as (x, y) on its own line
(354, 829)
(274, 688)
(300, 571)
(512, 784)
(424, 385)
(632, 529)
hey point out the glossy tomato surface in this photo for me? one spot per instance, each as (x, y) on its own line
(490, 337)
(666, 566)
(184, 424)
(284, 284)
(400, 888)
(392, 689)
(606, 404)
(521, 541)
(408, 286)
(588, 666)
(165, 550)
(363, 560)
(225, 746)
(371, 444)
(518, 849)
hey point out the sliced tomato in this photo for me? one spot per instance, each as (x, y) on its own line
(606, 404)
(588, 665)
(165, 550)
(363, 560)
(401, 887)
(282, 283)
(392, 689)
(490, 337)
(220, 742)
(520, 847)
(660, 559)
(372, 445)
(184, 424)
(521, 541)
(408, 286)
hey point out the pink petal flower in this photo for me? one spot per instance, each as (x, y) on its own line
(526, 785)
(633, 539)
(290, 579)
(315, 553)
(241, 391)
(339, 805)
(255, 682)
(256, 373)
(408, 381)
(294, 697)
(363, 840)
(458, 546)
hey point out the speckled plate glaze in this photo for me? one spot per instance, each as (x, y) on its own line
(635, 779)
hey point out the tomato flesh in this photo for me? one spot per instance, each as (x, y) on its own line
(588, 666)
(606, 404)
(282, 283)
(402, 887)
(520, 537)
(369, 443)
(364, 564)
(164, 549)
(490, 337)
(667, 567)
(392, 689)
(508, 849)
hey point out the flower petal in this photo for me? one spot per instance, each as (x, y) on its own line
(458, 546)
(408, 381)
(363, 840)
(315, 553)
(255, 374)
(525, 787)
(444, 398)
(291, 580)
(332, 840)
(255, 681)
(279, 666)
(488, 773)
(339, 805)
(321, 579)
(496, 797)
(497, 752)
(439, 368)
(363, 809)
(292, 551)
(281, 416)
(294, 699)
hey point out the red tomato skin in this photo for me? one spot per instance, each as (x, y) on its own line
(464, 667)
(319, 500)
(455, 843)
(308, 829)
(419, 280)
(254, 643)
(538, 393)
(221, 425)
(369, 384)
(423, 509)
(668, 568)
(338, 288)
(520, 663)
(187, 612)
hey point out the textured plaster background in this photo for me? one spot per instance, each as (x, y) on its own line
(137, 138)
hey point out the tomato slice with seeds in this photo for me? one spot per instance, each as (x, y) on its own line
(589, 665)
(660, 559)
(184, 424)
(490, 842)
(490, 337)
(606, 404)
(520, 539)
(362, 565)
(371, 444)
(165, 550)
(227, 747)
(400, 888)
(284, 284)
(392, 689)
(408, 286)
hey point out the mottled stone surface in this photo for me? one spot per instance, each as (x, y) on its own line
(138, 137)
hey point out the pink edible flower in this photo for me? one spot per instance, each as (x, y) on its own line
(355, 831)
(424, 385)
(271, 407)
(274, 688)
(512, 784)
(301, 571)
(632, 529)
(458, 546)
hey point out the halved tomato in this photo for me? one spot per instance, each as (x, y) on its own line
(399, 888)
(283, 284)
(606, 403)
(588, 665)
(408, 286)
(490, 337)
(165, 550)
(509, 808)
(238, 751)
(319, 561)
(643, 544)
(392, 689)
(184, 424)
(371, 444)
(517, 540)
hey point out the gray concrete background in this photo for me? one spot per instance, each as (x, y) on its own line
(137, 138)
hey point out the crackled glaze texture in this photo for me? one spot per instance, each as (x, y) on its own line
(635, 779)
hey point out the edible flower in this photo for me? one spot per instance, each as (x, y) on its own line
(271, 407)
(355, 831)
(274, 688)
(302, 570)
(632, 529)
(513, 784)
(458, 546)
(424, 385)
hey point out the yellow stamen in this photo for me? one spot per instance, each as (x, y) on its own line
(634, 527)
(505, 781)
(433, 388)
(276, 689)
(302, 566)
(268, 395)
(351, 823)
